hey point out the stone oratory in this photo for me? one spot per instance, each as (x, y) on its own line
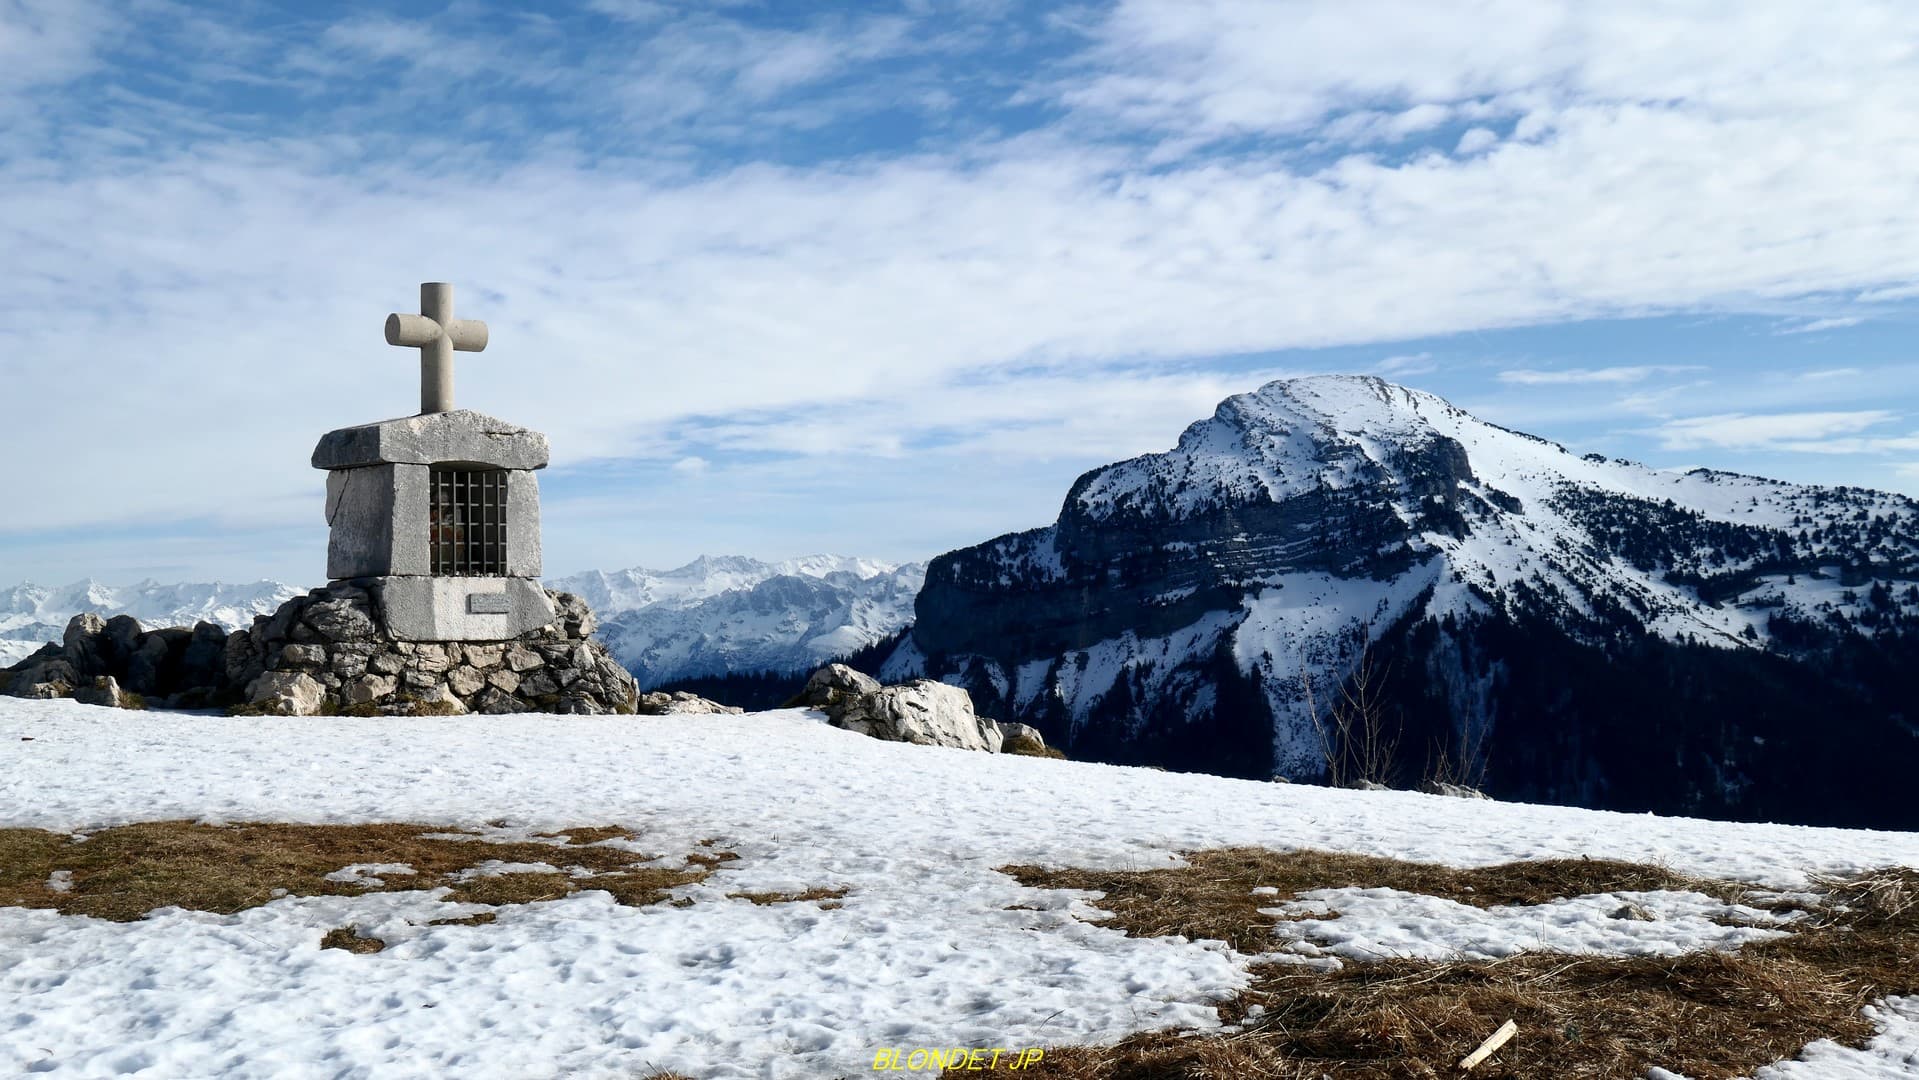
(440, 512)
(433, 603)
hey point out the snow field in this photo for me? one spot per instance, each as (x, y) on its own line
(931, 947)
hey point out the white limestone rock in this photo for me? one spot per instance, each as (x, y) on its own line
(1017, 738)
(662, 703)
(923, 712)
(835, 688)
(287, 693)
(104, 691)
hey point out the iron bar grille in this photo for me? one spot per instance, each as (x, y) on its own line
(469, 522)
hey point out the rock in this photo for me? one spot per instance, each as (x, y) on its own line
(287, 693)
(484, 657)
(572, 616)
(348, 665)
(538, 684)
(155, 666)
(504, 681)
(105, 690)
(833, 688)
(1367, 785)
(203, 663)
(385, 663)
(341, 619)
(1457, 791)
(580, 705)
(662, 703)
(1017, 738)
(56, 688)
(45, 674)
(1632, 912)
(521, 659)
(122, 637)
(924, 712)
(494, 702)
(368, 689)
(430, 658)
(465, 681)
(244, 662)
(312, 656)
(419, 683)
(83, 641)
(438, 701)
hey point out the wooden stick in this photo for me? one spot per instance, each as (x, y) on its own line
(1493, 1042)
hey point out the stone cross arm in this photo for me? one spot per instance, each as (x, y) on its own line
(436, 333)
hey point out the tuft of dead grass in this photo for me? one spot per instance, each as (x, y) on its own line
(125, 872)
(825, 897)
(1708, 1015)
(345, 937)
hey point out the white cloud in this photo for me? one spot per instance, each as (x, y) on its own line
(1407, 364)
(1584, 376)
(1476, 140)
(1660, 162)
(48, 41)
(1817, 325)
(1794, 431)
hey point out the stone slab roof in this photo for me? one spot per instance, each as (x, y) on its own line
(461, 436)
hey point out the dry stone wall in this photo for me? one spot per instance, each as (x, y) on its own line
(328, 653)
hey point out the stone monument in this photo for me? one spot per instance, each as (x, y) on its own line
(433, 603)
(440, 512)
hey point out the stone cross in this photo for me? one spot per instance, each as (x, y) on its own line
(436, 333)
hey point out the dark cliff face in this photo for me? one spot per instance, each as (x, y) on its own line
(1610, 636)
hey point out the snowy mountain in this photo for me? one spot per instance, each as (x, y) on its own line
(1586, 630)
(717, 615)
(31, 615)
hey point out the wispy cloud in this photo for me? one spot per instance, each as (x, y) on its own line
(1818, 325)
(711, 231)
(1590, 376)
(1801, 431)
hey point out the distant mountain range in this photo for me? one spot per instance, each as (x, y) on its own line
(718, 615)
(1571, 628)
(713, 616)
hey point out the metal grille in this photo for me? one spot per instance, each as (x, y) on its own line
(469, 522)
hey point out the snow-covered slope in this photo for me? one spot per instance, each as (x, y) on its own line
(31, 616)
(931, 946)
(724, 614)
(1302, 523)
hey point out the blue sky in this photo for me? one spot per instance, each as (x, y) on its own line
(882, 278)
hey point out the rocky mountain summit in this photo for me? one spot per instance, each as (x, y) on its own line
(1573, 628)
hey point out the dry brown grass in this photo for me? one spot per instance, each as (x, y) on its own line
(1708, 1015)
(124, 872)
(825, 897)
(345, 937)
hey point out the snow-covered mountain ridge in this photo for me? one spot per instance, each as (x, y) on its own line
(733, 614)
(1183, 601)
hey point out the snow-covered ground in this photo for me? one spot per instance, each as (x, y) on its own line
(926, 950)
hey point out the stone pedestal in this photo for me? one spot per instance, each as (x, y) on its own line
(380, 512)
